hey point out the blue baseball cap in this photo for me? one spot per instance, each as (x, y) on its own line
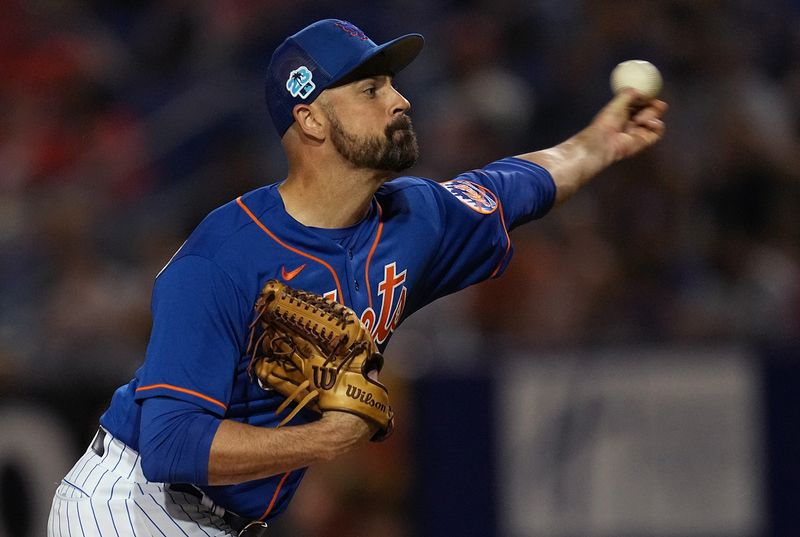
(324, 54)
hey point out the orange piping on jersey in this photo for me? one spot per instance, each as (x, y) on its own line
(182, 390)
(372, 251)
(274, 497)
(290, 248)
(508, 239)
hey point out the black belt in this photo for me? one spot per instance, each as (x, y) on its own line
(241, 525)
(98, 444)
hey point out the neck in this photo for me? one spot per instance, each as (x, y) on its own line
(331, 198)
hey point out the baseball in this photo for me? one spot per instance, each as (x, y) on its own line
(640, 75)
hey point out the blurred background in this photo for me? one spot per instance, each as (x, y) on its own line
(635, 371)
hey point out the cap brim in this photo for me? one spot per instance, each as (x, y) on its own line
(387, 59)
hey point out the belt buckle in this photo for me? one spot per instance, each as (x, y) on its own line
(254, 529)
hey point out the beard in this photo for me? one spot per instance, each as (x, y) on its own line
(396, 150)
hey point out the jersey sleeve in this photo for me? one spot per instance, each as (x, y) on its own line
(175, 441)
(477, 210)
(199, 325)
(526, 191)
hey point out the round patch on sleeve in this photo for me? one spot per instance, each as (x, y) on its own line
(473, 195)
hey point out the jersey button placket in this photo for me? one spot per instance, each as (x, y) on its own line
(350, 257)
(351, 272)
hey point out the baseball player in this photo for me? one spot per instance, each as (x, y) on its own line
(190, 445)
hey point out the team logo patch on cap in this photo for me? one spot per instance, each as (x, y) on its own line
(352, 30)
(474, 196)
(299, 83)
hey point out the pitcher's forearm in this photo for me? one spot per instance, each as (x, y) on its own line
(573, 162)
(241, 452)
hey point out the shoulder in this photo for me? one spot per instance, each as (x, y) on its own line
(229, 240)
(406, 184)
(408, 194)
(467, 189)
(464, 190)
(408, 187)
(230, 225)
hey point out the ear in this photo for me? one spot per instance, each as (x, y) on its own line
(311, 120)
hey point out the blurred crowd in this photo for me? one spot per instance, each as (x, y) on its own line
(122, 123)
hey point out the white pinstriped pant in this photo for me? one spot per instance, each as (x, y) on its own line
(108, 496)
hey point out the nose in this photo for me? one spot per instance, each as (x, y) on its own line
(400, 104)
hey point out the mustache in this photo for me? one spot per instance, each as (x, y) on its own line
(401, 123)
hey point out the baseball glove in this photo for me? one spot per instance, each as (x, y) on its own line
(317, 353)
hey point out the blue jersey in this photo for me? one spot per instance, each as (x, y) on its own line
(420, 240)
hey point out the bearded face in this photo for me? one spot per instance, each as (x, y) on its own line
(394, 150)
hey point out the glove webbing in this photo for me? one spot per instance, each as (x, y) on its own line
(334, 312)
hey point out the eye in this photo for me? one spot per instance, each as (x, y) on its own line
(370, 91)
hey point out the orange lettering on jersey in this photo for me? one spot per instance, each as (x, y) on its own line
(369, 319)
(391, 307)
(387, 321)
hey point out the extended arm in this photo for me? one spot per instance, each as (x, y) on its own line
(620, 130)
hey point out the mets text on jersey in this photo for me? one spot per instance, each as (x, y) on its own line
(380, 326)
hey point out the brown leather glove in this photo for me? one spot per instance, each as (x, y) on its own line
(317, 353)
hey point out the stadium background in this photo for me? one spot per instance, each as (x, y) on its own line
(635, 371)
